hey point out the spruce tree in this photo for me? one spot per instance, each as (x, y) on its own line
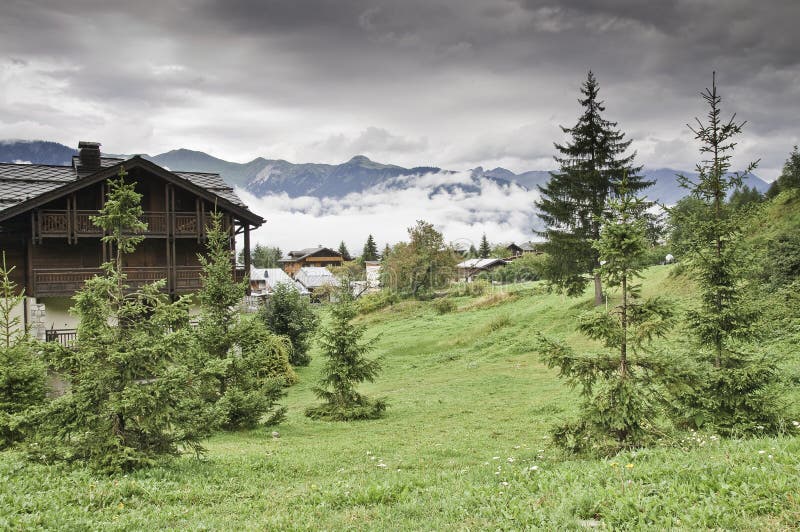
(737, 392)
(343, 251)
(485, 249)
(245, 366)
(22, 371)
(370, 251)
(573, 202)
(133, 397)
(790, 176)
(345, 366)
(620, 385)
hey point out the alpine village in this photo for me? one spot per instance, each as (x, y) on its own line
(192, 343)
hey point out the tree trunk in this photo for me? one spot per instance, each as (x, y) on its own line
(623, 359)
(598, 290)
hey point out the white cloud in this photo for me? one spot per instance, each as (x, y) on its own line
(461, 208)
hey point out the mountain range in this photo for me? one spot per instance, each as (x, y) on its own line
(262, 176)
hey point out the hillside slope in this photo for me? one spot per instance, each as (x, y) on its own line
(463, 445)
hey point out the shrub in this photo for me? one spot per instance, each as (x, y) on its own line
(473, 289)
(375, 301)
(288, 313)
(443, 305)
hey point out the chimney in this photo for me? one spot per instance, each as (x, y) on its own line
(89, 155)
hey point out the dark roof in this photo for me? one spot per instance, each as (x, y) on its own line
(24, 183)
(294, 256)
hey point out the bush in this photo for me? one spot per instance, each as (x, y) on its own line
(443, 305)
(288, 313)
(473, 289)
(375, 301)
(781, 262)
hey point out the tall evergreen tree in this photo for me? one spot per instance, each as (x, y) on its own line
(592, 164)
(245, 365)
(133, 396)
(370, 251)
(737, 392)
(343, 251)
(620, 386)
(485, 249)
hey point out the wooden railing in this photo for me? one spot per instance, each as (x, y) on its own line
(58, 223)
(66, 281)
(65, 337)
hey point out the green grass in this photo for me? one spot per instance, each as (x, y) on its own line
(463, 445)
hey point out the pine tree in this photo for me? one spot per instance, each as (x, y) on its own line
(370, 251)
(620, 386)
(22, 371)
(133, 397)
(346, 366)
(265, 256)
(387, 249)
(343, 251)
(573, 202)
(237, 351)
(737, 392)
(790, 176)
(485, 249)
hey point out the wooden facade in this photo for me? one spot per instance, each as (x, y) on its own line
(54, 247)
(319, 257)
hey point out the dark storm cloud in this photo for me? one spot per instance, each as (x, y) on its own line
(445, 82)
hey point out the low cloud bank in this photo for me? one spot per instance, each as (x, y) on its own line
(459, 205)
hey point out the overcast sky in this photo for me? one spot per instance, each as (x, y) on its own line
(452, 83)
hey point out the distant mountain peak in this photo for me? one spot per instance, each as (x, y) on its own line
(276, 176)
(359, 159)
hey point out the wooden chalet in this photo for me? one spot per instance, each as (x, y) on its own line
(523, 249)
(310, 257)
(47, 234)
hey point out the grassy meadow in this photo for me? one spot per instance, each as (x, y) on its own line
(463, 446)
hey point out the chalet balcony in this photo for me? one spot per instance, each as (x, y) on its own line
(61, 282)
(62, 223)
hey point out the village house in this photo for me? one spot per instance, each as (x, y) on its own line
(468, 269)
(263, 281)
(522, 249)
(310, 257)
(319, 281)
(48, 237)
